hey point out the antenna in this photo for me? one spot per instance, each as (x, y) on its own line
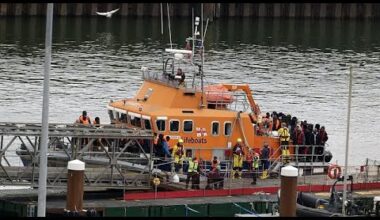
(192, 31)
(162, 36)
(170, 33)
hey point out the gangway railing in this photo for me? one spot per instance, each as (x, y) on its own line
(315, 156)
(115, 157)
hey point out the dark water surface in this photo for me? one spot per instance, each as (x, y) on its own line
(294, 66)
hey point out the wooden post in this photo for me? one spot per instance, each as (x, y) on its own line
(33, 9)
(307, 9)
(156, 10)
(18, 10)
(367, 10)
(231, 10)
(322, 13)
(338, 10)
(3, 9)
(79, 9)
(75, 182)
(217, 10)
(140, 9)
(353, 10)
(63, 10)
(94, 9)
(292, 10)
(288, 194)
(124, 9)
(277, 10)
(262, 10)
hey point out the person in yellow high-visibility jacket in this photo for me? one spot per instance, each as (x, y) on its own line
(193, 174)
(284, 134)
(178, 154)
(238, 154)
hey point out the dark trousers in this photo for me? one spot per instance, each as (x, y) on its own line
(215, 181)
(195, 180)
(255, 174)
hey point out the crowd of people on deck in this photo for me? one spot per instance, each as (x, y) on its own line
(292, 131)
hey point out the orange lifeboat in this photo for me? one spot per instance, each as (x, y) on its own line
(218, 94)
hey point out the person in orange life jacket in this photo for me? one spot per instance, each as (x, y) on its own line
(238, 154)
(84, 119)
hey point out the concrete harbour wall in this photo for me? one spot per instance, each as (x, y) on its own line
(211, 10)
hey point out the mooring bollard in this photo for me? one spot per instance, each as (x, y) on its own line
(75, 182)
(288, 194)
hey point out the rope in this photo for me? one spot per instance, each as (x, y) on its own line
(244, 209)
(193, 210)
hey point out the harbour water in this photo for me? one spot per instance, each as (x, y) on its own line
(293, 66)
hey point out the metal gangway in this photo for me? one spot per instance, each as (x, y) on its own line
(115, 156)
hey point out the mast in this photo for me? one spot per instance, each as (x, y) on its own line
(162, 36)
(170, 33)
(41, 211)
(202, 55)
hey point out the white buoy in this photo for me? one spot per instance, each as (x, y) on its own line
(175, 178)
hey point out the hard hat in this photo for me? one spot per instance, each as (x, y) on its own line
(239, 140)
(180, 141)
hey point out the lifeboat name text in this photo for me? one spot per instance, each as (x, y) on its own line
(195, 140)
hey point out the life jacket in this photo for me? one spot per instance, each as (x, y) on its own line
(284, 134)
(178, 153)
(255, 162)
(238, 150)
(84, 121)
(193, 166)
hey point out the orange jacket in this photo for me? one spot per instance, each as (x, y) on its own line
(84, 121)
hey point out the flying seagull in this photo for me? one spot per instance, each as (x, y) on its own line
(107, 14)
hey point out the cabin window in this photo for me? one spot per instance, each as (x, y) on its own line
(135, 121)
(160, 125)
(116, 115)
(110, 113)
(187, 126)
(123, 118)
(174, 125)
(147, 124)
(227, 128)
(215, 128)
